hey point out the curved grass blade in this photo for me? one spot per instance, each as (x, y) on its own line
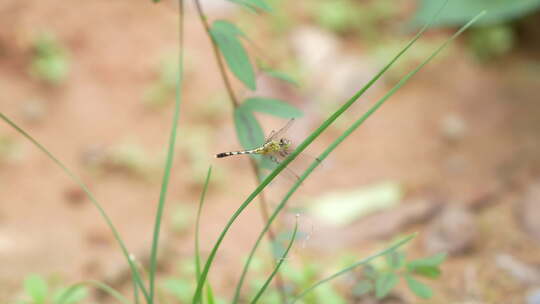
(197, 223)
(106, 288)
(292, 156)
(170, 154)
(79, 182)
(319, 159)
(278, 265)
(353, 266)
(209, 293)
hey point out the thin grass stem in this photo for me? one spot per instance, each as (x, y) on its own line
(170, 155)
(278, 265)
(135, 273)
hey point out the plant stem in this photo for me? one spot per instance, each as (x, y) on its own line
(169, 158)
(221, 65)
(235, 103)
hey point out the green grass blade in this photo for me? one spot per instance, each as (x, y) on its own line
(170, 155)
(278, 265)
(136, 293)
(293, 155)
(320, 158)
(353, 266)
(197, 223)
(78, 181)
(106, 288)
(209, 293)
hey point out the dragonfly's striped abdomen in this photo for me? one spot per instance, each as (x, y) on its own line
(225, 154)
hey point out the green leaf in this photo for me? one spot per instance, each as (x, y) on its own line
(395, 259)
(225, 35)
(228, 28)
(69, 296)
(431, 272)
(459, 12)
(272, 106)
(36, 287)
(249, 131)
(362, 288)
(370, 272)
(281, 76)
(421, 290)
(432, 261)
(253, 5)
(384, 284)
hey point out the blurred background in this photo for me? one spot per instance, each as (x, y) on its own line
(453, 155)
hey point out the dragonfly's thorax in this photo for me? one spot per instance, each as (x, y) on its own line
(274, 146)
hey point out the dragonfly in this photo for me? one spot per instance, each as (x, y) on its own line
(276, 147)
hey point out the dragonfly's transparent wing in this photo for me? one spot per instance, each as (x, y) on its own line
(277, 135)
(277, 158)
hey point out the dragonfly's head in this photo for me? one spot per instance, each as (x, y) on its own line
(284, 143)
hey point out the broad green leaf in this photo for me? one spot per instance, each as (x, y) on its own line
(460, 12)
(36, 287)
(421, 290)
(249, 131)
(74, 296)
(272, 106)
(432, 261)
(253, 5)
(362, 288)
(384, 284)
(225, 36)
(228, 28)
(281, 76)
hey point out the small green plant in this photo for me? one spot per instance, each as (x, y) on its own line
(382, 278)
(490, 42)
(38, 291)
(49, 60)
